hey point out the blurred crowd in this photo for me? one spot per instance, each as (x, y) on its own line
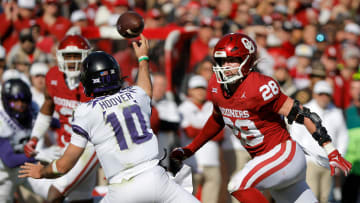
(310, 47)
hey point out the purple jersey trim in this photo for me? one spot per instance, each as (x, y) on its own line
(78, 130)
(9, 157)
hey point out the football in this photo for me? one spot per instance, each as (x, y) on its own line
(130, 24)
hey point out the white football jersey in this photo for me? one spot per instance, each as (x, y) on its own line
(17, 135)
(10, 129)
(119, 127)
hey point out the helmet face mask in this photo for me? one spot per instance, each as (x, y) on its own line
(71, 51)
(229, 74)
(18, 105)
(72, 63)
(238, 49)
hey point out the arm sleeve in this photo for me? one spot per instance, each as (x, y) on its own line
(9, 157)
(78, 140)
(192, 132)
(212, 127)
(41, 125)
(81, 121)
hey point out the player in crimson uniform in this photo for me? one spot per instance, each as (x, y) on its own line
(252, 105)
(63, 93)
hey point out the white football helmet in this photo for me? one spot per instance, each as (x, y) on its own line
(72, 44)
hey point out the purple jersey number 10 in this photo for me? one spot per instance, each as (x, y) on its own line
(130, 124)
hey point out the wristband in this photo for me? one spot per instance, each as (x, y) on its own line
(141, 58)
(54, 168)
(329, 147)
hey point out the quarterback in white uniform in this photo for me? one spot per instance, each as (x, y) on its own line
(117, 122)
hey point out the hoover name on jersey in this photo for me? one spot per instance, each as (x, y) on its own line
(235, 113)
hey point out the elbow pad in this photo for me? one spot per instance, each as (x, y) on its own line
(321, 135)
(298, 115)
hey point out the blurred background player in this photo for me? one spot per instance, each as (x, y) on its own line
(38, 84)
(117, 121)
(195, 110)
(252, 105)
(16, 120)
(63, 93)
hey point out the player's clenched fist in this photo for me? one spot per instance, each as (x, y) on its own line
(180, 153)
(29, 148)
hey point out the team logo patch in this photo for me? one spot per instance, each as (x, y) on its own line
(53, 82)
(214, 90)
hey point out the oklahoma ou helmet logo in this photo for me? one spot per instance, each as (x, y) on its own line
(248, 45)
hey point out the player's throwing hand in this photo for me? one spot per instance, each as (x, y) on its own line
(143, 48)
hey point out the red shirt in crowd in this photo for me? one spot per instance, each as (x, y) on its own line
(58, 29)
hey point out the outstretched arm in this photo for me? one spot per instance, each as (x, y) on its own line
(41, 125)
(296, 112)
(213, 126)
(141, 52)
(56, 168)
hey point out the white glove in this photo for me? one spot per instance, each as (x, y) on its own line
(49, 154)
(184, 178)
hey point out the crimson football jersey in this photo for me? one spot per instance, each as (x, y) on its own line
(251, 112)
(65, 101)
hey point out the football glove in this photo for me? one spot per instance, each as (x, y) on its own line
(29, 148)
(180, 153)
(336, 160)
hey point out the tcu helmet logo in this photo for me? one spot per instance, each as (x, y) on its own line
(248, 45)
